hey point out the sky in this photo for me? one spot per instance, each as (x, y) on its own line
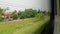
(22, 4)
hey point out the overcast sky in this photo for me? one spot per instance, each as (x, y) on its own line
(22, 4)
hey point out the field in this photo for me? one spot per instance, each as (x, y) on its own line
(22, 26)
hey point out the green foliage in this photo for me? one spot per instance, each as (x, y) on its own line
(19, 14)
(15, 15)
(22, 15)
(40, 16)
(39, 11)
(1, 19)
(28, 26)
(44, 12)
(28, 13)
(1, 10)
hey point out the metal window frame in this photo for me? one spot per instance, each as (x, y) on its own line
(49, 28)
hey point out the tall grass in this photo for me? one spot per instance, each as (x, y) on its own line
(23, 26)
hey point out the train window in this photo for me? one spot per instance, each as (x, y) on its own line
(24, 16)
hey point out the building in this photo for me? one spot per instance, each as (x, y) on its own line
(7, 15)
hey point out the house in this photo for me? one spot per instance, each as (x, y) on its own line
(7, 15)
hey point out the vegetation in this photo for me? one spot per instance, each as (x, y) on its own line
(1, 19)
(34, 20)
(27, 13)
(23, 26)
(39, 16)
(1, 13)
(14, 15)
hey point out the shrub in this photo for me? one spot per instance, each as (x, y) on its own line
(1, 19)
(23, 15)
(15, 15)
(40, 16)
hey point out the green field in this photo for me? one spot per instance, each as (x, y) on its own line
(22, 26)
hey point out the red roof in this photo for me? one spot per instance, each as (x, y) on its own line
(7, 14)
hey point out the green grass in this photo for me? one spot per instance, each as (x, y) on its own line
(23, 26)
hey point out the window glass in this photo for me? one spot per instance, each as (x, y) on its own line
(23, 16)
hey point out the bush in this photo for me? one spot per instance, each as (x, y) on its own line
(23, 15)
(1, 19)
(15, 15)
(40, 16)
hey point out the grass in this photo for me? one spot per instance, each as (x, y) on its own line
(23, 26)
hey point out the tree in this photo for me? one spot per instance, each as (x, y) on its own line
(44, 12)
(1, 11)
(39, 16)
(21, 15)
(27, 13)
(39, 11)
(30, 12)
(6, 9)
(15, 14)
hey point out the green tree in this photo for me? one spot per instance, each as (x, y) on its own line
(21, 15)
(15, 14)
(30, 13)
(39, 11)
(27, 13)
(39, 16)
(1, 11)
